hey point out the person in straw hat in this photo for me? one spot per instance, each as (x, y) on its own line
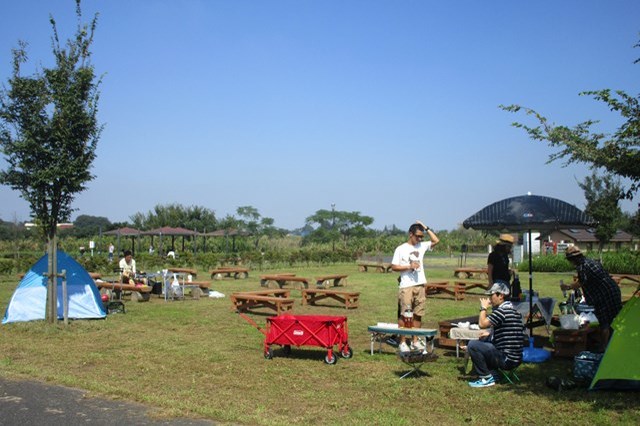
(498, 260)
(600, 290)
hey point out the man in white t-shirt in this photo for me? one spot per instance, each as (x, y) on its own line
(407, 259)
(127, 268)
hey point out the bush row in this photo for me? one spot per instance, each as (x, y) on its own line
(620, 262)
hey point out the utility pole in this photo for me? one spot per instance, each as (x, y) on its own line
(333, 224)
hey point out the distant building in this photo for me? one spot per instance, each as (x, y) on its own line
(586, 239)
(30, 225)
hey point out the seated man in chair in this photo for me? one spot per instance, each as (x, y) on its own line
(502, 347)
(127, 268)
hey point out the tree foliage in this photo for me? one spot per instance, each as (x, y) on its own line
(332, 225)
(86, 226)
(617, 153)
(175, 215)
(49, 128)
(251, 221)
(603, 194)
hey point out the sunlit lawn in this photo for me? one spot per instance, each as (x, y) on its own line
(198, 358)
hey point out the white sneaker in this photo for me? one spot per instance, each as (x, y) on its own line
(403, 347)
(418, 346)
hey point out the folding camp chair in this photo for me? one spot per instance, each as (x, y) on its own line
(510, 375)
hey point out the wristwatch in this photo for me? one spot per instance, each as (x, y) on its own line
(483, 309)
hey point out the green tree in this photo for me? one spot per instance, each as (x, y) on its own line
(49, 132)
(175, 215)
(256, 225)
(631, 222)
(603, 194)
(86, 226)
(618, 153)
(331, 225)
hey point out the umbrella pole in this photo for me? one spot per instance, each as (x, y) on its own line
(530, 290)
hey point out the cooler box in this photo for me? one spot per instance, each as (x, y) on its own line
(585, 365)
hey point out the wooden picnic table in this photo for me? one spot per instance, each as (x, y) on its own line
(348, 298)
(228, 272)
(189, 271)
(364, 265)
(468, 285)
(470, 272)
(456, 289)
(618, 278)
(141, 293)
(325, 280)
(282, 280)
(630, 277)
(276, 299)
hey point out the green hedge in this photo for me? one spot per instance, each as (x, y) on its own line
(620, 262)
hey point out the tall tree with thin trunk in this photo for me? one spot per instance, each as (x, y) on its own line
(49, 133)
(603, 194)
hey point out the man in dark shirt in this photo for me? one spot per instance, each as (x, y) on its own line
(498, 261)
(503, 348)
(600, 290)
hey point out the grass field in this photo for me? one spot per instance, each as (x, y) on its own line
(198, 358)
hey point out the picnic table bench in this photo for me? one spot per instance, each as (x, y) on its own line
(364, 265)
(468, 285)
(457, 289)
(445, 326)
(619, 277)
(325, 280)
(470, 272)
(189, 271)
(348, 298)
(141, 293)
(203, 285)
(228, 272)
(277, 300)
(283, 279)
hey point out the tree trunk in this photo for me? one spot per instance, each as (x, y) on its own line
(52, 279)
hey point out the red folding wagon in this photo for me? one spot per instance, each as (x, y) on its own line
(308, 330)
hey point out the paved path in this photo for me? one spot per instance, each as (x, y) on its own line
(31, 403)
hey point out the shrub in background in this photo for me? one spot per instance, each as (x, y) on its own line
(618, 262)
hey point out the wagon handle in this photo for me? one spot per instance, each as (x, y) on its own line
(252, 322)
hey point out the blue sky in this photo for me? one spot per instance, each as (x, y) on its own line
(386, 108)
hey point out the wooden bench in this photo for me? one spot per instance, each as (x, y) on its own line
(277, 300)
(470, 273)
(282, 280)
(141, 293)
(456, 289)
(192, 272)
(444, 341)
(468, 285)
(348, 298)
(619, 277)
(228, 272)
(203, 285)
(364, 265)
(325, 280)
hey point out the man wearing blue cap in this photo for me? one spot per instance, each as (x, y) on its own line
(502, 346)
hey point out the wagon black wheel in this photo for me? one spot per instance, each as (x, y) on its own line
(287, 350)
(330, 359)
(346, 354)
(268, 354)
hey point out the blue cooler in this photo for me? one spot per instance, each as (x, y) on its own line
(585, 365)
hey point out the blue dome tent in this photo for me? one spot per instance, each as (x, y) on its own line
(29, 301)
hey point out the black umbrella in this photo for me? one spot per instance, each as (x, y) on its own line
(527, 213)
